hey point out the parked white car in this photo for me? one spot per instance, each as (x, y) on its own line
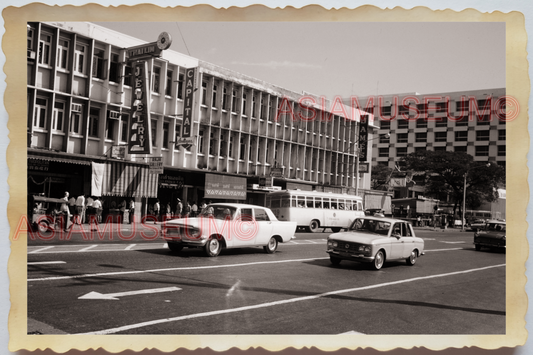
(376, 240)
(228, 225)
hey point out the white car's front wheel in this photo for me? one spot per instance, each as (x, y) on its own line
(411, 260)
(272, 245)
(213, 247)
(379, 260)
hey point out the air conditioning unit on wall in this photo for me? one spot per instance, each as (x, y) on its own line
(31, 54)
(114, 115)
(76, 108)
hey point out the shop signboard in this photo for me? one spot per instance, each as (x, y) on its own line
(190, 75)
(363, 167)
(118, 151)
(276, 172)
(156, 165)
(225, 187)
(140, 137)
(38, 165)
(171, 182)
(398, 182)
(363, 138)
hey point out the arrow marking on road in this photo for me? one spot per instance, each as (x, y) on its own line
(114, 296)
(281, 302)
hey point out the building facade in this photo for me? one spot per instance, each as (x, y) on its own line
(473, 122)
(244, 131)
(468, 121)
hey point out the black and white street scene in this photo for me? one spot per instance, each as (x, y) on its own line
(216, 178)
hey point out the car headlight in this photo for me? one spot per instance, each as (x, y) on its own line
(193, 233)
(332, 243)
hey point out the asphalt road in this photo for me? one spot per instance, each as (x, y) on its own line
(142, 288)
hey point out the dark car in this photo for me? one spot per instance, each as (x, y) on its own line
(492, 235)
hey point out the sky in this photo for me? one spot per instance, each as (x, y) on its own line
(344, 58)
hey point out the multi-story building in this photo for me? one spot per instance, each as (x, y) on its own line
(466, 121)
(80, 87)
(472, 122)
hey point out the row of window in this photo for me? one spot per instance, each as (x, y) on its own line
(439, 107)
(480, 151)
(481, 120)
(99, 64)
(460, 136)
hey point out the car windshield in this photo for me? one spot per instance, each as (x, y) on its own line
(370, 226)
(498, 227)
(218, 211)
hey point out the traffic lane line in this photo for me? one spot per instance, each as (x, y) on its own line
(116, 273)
(45, 262)
(280, 302)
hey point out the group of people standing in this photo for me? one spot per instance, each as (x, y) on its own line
(78, 210)
(181, 209)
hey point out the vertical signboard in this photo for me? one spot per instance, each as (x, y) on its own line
(140, 137)
(363, 138)
(188, 103)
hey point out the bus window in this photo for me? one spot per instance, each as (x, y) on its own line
(334, 204)
(275, 202)
(293, 201)
(342, 205)
(285, 201)
(309, 203)
(325, 203)
(318, 202)
(301, 201)
(359, 206)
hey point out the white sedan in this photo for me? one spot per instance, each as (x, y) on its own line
(376, 240)
(228, 225)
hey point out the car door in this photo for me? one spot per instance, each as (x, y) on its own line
(264, 226)
(408, 240)
(396, 241)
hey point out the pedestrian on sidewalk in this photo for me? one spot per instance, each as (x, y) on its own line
(157, 211)
(131, 215)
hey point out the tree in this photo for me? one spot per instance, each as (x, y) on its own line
(380, 176)
(445, 172)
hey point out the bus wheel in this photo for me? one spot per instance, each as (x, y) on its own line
(336, 229)
(313, 226)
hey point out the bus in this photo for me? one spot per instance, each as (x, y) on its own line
(313, 210)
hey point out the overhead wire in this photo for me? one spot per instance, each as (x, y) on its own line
(183, 39)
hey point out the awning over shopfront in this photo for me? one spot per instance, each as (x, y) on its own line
(57, 158)
(123, 179)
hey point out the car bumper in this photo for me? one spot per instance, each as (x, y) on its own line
(491, 245)
(350, 256)
(185, 242)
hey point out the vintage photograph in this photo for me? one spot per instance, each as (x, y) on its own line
(304, 178)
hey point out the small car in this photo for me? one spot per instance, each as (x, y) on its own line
(228, 225)
(375, 240)
(477, 224)
(491, 236)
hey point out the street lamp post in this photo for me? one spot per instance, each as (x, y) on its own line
(464, 194)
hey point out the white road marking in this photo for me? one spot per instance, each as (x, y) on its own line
(277, 303)
(40, 250)
(187, 268)
(46, 262)
(169, 269)
(444, 249)
(114, 296)
(130, 246)
(460, 242)
(88, 248)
